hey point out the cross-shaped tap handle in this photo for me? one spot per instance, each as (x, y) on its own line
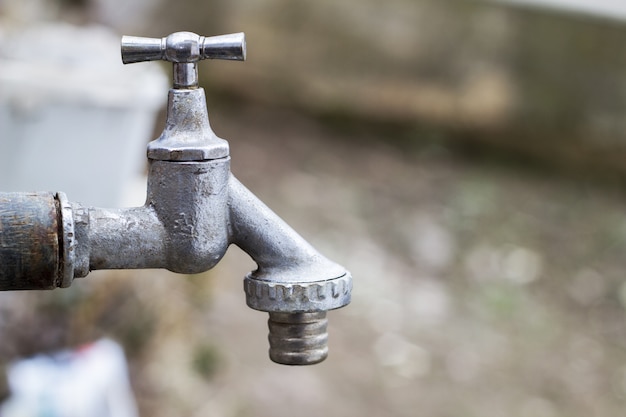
(184, 49)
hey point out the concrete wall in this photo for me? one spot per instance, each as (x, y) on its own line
(540, 85)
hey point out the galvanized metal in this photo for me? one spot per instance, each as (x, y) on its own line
(298, 339)
(195, 209)
(187, 135)
(67, 242)
(291, 276)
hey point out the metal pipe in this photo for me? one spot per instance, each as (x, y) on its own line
(31, 245)
(124, 239)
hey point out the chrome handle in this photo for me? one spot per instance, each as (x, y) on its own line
(184, 49)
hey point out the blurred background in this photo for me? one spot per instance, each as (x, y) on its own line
(464, 159)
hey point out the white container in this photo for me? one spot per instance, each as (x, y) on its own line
(73, 118)
(91, 381)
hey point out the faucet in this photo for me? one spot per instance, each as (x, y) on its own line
(195, 208)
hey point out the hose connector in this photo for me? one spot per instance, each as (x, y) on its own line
(298, 338)
(297, 323)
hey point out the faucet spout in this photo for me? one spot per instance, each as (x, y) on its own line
(293, 281)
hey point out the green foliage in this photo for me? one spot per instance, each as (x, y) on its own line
(206, 361)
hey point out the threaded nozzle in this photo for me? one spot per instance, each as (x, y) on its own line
(298, 338)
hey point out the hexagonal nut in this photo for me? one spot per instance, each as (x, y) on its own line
(294, 297)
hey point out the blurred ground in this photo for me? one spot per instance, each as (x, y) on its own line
(484, 286)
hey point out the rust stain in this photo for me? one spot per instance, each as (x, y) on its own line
(29, 241)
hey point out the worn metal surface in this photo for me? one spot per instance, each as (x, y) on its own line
(68, 241)
(190, 199)
(195, 208)
(291, 276)
(30, 243)
(293, 281)
(130, 238)
(187, 135)
(298, 339)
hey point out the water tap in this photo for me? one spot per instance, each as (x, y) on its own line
(195, 208)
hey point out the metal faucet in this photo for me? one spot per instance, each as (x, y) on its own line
(195, 208)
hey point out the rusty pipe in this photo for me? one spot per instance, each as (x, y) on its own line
(36, 241)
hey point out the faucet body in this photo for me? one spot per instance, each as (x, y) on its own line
(195, 208)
